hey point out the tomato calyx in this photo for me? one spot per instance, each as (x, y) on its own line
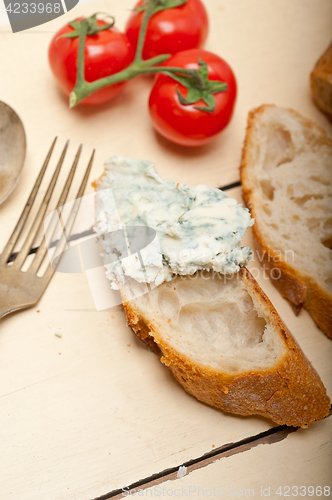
(92, 27)
(160, 5)
(187, 125)
(199, 88)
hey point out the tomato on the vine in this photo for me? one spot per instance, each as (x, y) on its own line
(105, 53)
(185, 124)
(172, 30)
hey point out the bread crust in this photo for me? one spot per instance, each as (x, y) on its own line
(297, 287)
(321, 83)
(290, 392)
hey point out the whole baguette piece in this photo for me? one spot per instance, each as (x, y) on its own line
(226, 345)
(321, 83)
(286, 173)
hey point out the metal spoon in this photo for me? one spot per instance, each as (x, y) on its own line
(12, 150)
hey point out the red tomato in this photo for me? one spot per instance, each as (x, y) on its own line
(171, 30)
(106, 53)
(184, 124)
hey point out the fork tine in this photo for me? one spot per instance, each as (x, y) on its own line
(20, 224)
(41, 252)
(18, 262)
(72, 216)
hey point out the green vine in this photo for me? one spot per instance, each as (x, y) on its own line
(196, 81)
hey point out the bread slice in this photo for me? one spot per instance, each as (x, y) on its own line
(321, 83)
(226, 345)
(286, 173)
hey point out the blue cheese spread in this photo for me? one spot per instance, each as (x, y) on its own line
(196, 228)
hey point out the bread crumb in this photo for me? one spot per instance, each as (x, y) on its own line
(58, 334)
(182, 471)
(213, 446)
(169, 320)
(59, 353)
(128, 345)
(38, 311)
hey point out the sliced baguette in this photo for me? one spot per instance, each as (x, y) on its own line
(286, 173)
(226, 345)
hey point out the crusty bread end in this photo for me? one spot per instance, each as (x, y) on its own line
(321, 83)
(286, 174)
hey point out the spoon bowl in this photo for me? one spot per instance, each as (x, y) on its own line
(12, 150)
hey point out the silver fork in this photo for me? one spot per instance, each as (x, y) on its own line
(19, 290)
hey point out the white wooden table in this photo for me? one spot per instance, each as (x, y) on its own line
(87, 414)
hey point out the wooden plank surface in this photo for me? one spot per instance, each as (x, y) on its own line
(93, 411)
(258, 471)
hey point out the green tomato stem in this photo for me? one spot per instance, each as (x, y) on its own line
(83, 88)
(80, 79)
(142, 32)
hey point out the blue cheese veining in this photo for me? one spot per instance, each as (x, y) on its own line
(197, 228)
